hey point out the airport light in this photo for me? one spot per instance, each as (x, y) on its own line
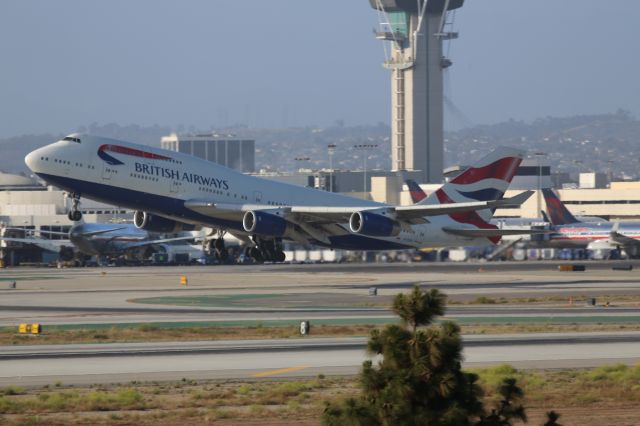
(331, 149)
(539, 155)
(366, 147)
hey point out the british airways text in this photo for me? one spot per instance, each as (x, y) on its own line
(183, 176)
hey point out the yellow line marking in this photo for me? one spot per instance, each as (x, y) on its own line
(280, 371)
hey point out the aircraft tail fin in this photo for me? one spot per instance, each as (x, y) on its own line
(417, 194)
(558, 212)
(487, 180)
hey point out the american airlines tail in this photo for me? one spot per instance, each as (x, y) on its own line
(486, 180)
(558, 213)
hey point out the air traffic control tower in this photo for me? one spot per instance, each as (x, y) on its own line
(414, 31)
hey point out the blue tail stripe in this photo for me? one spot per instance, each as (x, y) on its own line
(487, 194)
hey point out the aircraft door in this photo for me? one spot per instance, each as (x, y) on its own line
(257, 196)
(107, 171)
(176, 187)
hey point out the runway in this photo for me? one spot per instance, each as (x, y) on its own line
(294, 292)
(274, 294)
(250, 360)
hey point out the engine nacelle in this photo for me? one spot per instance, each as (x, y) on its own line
(153, 223)
(373, 224)
(263, 223)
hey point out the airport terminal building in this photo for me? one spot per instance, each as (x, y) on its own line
(227, 150)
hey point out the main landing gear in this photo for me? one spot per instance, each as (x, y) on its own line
(217, 247)
(75, 215)
(266, 250)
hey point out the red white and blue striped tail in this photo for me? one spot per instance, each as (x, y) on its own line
(486, 180)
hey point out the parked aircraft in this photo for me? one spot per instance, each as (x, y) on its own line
(172, 190)
(94, 239)
(568, 231)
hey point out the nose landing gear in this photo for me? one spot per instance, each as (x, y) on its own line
(75, 215)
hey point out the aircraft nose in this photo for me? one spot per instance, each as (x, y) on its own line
(32, 159)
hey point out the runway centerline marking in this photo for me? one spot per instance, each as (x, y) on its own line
(280, 371)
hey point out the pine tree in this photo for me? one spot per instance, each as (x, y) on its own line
(509, 407)
(419, 379)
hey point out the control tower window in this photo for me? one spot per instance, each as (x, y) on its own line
(72, 139)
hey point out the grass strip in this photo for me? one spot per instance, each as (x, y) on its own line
(604, 395)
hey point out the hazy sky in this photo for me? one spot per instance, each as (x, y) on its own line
(67, 63)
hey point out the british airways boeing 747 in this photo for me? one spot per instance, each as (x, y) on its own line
(171, 190)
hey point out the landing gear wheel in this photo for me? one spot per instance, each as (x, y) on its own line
(280, 256)
(256, 254)
(218, 244)
(222, 254)
(75, 216)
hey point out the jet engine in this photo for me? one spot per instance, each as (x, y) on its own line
(373, 224)
(263, 223)
(153, 223)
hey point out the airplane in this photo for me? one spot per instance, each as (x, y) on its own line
(171, 190)
(93, 239)
(568, 231)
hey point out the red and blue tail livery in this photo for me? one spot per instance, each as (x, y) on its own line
(558, 213)
(486, 180)
(417, 194)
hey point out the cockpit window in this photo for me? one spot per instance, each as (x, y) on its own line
(72, 139)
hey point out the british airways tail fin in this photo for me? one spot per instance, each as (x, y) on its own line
(558, 212)
(487, 180)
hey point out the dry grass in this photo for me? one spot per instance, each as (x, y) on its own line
(576, 300)
(154, 333)
(151, 333)
(601, 396)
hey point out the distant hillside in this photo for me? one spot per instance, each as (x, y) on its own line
(579, 143)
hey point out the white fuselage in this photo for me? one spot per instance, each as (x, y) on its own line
(160, 181)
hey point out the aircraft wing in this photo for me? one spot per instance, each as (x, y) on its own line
(622, 240)
(335, 215)
(49, 245)
(102, 231)
(482, 233)
(38, 231)
(617, 238)
(228, 211)
(418, 210)
(159, 241)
